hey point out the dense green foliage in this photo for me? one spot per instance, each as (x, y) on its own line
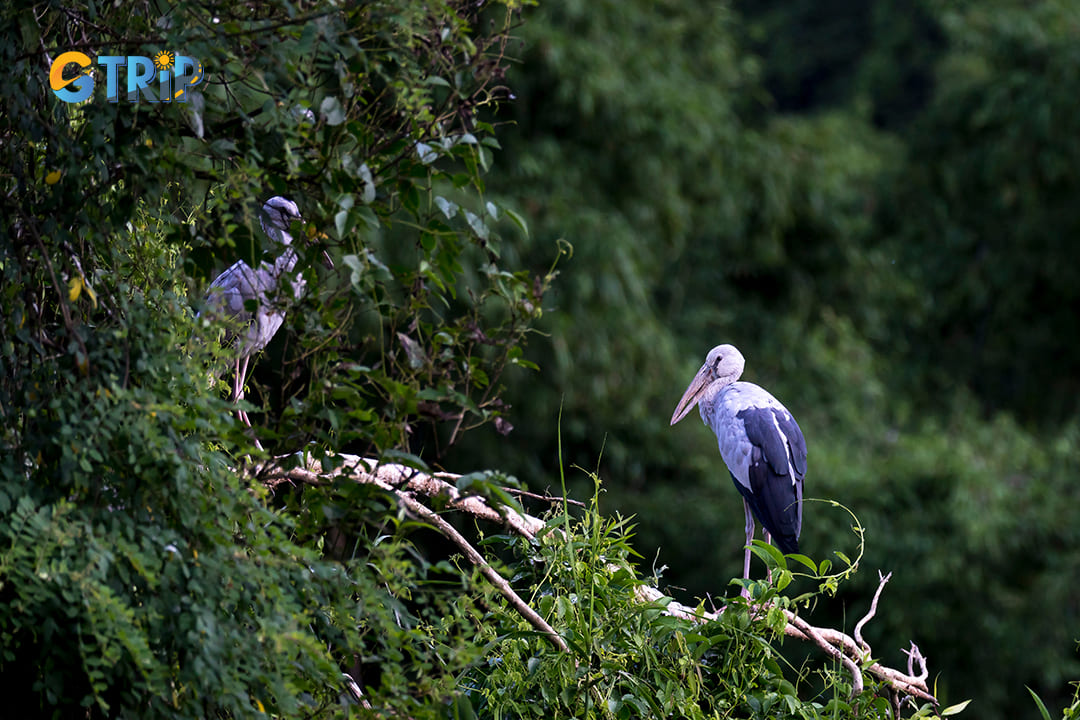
(875, 206)
(139, 573)
(633, 660)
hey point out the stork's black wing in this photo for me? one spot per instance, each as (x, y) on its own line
(777, 469)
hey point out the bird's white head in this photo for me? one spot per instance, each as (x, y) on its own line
(278, 214)
(723, 365)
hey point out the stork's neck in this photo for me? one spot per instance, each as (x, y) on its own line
(711, 395)
(286, 261)
(277, 235)
(281, 241)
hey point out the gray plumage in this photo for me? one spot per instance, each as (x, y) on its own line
(229, 294)
(240, 282)
(760, 442)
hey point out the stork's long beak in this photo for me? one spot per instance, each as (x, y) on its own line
(692, 395)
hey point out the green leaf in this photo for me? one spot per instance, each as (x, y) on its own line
(769, 553)
(518, 220)
(477, 224)
(1038, 703)
(332, 111)
(448, 208)
(367, 196)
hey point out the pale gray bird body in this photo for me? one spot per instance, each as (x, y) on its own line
(229, 294)
(760, 443)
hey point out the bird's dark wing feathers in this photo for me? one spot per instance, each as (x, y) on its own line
(774, 496)
(775, 502)
(795, 439)
(761, 432)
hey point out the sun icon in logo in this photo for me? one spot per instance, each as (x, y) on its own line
(164, 60)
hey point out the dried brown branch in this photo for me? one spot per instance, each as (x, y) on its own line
(882, 580)
(425, 513)
(814, 635)
(408, 483)
(832, 642)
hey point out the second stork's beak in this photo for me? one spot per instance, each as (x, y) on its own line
(693, 394)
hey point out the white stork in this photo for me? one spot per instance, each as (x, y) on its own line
(760, 442)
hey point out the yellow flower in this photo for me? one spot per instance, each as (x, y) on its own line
(52, 178)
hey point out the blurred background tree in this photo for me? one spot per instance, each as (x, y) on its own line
(876, 204)
(873, 204)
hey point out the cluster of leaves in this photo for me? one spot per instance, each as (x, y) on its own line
(366, 117)
(630, 658)
(895, 263)
(138, 575)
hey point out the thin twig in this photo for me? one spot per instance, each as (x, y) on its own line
(545, 497)
(882, 580)
(915, 657)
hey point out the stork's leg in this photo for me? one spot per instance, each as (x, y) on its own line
(238, 392)
(238, 387)
(237, 382)
(749, 541)
(768, 572)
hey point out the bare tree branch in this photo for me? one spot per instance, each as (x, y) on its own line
(489, 572)
(828, 640)
(882, 580)
(407, 483)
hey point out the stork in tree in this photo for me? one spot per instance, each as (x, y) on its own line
(227, 297)
(760, 442)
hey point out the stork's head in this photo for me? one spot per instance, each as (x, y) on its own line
(278, 213)
(723, 366)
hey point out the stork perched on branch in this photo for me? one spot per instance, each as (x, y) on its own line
(229, 294)
(760, 442)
